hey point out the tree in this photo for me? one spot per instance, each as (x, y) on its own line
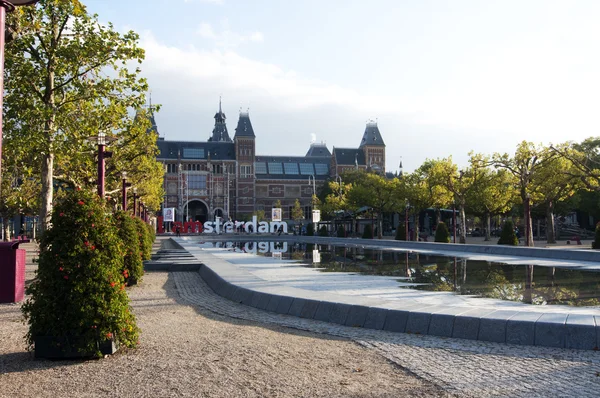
(508, 236)
(493, 191)
(378, 193)
(67, 78)
(596, 242)
(557, 180)
(445, 174)
(297, 212)
(441, 233)
(526, 162)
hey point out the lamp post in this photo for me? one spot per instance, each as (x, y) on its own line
(406, 221)
(124, 190)
(311, 180)
(101, 139)
(6, 6)
(135, 198)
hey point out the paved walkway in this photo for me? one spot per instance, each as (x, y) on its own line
(462, 367)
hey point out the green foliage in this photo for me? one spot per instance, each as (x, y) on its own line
(79, 289)
(508, 235)
(368, 232)
(145, 238)
(400, 232)
(297, 212)
(323, 231)
(310, 229)
(596, 242)
(341, 232)
(60, 93)
(441, 233)
(133, 267)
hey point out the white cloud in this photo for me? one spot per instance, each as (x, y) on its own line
(226, 38)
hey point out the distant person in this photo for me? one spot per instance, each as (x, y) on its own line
(177, 231)
(280, 230)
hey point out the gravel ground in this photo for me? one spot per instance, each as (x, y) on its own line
(187, 351)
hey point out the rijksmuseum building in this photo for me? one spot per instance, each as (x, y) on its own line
(224, 177)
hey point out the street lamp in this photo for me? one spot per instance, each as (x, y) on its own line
(312, 178)
(135, 198)
(406, 221)
(101, 140)
(6, 5)
(124, 190)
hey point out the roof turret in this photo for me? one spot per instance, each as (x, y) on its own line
(244, 126)
(372, 136)
(219, 133)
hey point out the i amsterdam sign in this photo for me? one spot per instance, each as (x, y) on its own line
(228, 227)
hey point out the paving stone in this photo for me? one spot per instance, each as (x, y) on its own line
(357, 315)
(492, 327)
(274, 303)
(418, 322)
(580, 332)
(550, 330)
(284, 305)
(309, 308)
(395, 320)
(376, 318)
(520, 329)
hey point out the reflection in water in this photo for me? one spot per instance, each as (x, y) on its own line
(525, 283)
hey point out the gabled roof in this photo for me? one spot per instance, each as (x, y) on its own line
(372, 136)
(349, 156)
(244, 127)
(318, 149)
(186, 150)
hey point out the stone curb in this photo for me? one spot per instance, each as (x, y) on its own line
(575, 331)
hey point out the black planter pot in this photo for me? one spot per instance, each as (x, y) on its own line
(50, 347)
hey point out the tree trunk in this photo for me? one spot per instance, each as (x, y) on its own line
(488, 226)
(551, 238)
(528, 224)
(463, 224)
(528, 293)
(47, 191)
(380, 226)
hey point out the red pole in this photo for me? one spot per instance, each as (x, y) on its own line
(406, 223)
(124, 194)
(101, 170)
(2, 27)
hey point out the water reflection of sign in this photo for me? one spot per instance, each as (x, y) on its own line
(316, 216)
(316, 256)
(276, 255)
(169, 214)
(276, 214)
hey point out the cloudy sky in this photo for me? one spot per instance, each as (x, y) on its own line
(441, 77)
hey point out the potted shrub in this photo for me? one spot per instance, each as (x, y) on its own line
(508, 235)
(133, 267)
(310, 229)
(400, 232)
(323, 231)
(441, 233)
(78, 305)
(145, 238)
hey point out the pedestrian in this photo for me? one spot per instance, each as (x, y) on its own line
(177, 231)
(280, 230)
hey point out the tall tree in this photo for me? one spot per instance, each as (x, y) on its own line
(63, 66)
(526, 162)
(558, 180)
(378, 193)
(493, 191)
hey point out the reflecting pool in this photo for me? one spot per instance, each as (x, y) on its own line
(531, 284)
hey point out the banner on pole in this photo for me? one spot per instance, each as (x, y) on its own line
(169, 214)
(316, 216)
(276, 214)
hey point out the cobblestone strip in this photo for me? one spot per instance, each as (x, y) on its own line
(463, 367)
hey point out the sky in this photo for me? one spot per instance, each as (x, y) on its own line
(441, 78)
